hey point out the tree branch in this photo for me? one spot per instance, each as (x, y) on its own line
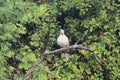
(68, 48)
(80, 46)
(27, 75)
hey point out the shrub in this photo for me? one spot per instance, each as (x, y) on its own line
(28, 28)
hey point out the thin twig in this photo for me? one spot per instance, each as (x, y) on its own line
(77, 42)
(54, 76)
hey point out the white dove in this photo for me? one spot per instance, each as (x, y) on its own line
(63, 41)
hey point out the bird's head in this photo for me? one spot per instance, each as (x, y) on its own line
(62, 32)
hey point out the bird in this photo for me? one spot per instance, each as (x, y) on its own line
(63, 42)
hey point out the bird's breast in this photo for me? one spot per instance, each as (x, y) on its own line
(62, 41)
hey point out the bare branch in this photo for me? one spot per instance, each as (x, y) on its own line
(68, 48)
(27, 75)
(80, 46)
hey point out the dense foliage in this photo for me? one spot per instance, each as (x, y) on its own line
(29, 27)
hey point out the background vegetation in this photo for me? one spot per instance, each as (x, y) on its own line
(28, 27)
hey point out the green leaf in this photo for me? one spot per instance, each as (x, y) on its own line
(25, 66)
(42, 9)
(106, 27)
(21, 29)
(10, 27)
(3, 38)
(10, 54)
(10, 68)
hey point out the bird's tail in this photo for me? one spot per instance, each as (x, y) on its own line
(67, 55)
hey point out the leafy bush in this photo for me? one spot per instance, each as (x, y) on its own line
(28, 28)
